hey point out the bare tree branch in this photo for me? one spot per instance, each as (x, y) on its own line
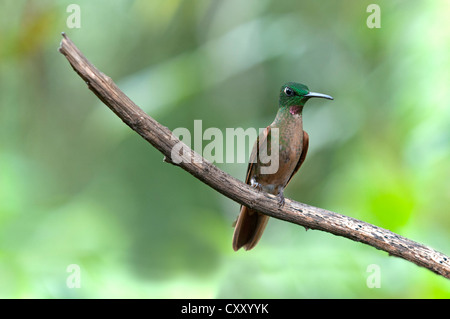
(294, 212)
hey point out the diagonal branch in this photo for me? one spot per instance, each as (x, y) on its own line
(294, 212)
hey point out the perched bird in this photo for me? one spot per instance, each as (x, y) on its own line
(292, 142)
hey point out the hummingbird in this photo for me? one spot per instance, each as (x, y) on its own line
(293, 144)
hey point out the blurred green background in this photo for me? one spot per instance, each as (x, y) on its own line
(79, 187)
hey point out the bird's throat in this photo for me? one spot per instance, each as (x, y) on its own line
(295, 109)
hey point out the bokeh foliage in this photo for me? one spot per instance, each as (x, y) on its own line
(79, 187)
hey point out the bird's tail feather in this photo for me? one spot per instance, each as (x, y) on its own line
(249, 228)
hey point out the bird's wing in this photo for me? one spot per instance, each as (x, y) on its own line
(302, 156)
(260, 144)
(250, 225)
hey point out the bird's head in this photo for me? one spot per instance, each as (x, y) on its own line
(293, 96)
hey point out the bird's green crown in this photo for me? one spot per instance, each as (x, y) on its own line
(293, 93)
(296, 94)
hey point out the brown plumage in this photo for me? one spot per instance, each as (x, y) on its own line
(292, 143)
(250, 225)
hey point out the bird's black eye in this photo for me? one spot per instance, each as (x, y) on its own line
(288, 91)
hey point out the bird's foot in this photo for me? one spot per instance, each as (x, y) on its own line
(280, 199)
(255, 184)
